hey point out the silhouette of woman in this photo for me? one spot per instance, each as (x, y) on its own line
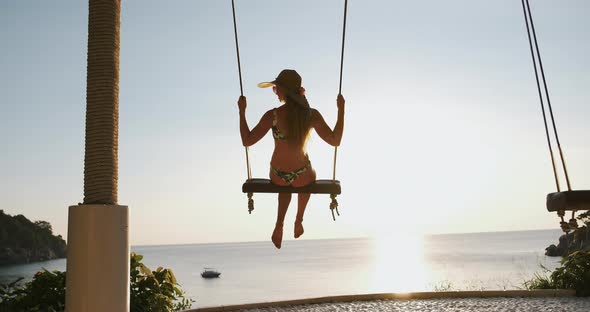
(290, 124)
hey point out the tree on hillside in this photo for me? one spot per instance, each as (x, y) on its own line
(44, 225)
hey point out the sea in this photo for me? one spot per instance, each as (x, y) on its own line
(257, 272)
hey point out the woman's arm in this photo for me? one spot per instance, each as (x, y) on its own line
(251, 137)
(332, 137)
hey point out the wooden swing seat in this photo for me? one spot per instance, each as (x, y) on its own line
(568, 200)
(266, 186)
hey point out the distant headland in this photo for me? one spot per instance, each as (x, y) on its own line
(24, 241)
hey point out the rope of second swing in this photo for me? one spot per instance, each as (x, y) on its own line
(530, 18)
(340, 83)
(233, 8)
(526, 20)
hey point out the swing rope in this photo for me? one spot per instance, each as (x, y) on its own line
(233, 8)
(531, 40)
(340, 83)
(572, 224)
(526, 20)
(342, 52)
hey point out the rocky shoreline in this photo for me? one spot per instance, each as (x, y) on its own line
(10, 256)
(578, 239)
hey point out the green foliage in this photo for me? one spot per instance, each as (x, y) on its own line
(44, 225)
(156, 291)
(23, 241)
(46, 292)
(574, 273)
(584, 217)
(7, 293)
(442, 286)
(540, 280)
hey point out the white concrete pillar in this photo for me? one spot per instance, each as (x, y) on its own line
(97, 277)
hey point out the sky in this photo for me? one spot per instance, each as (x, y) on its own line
(443, 129)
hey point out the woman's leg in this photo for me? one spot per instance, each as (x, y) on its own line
(277, 234)
(302, 200)
(305, 178)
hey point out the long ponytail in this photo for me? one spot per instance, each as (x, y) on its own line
(298, 120)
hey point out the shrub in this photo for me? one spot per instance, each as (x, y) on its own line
(150, 291)
(46, 293)
(574, 273)
(540, 280)
(443, 286)
(155, 290)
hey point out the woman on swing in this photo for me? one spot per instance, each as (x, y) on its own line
(290, 124)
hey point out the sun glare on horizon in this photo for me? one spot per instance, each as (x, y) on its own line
(399, 264)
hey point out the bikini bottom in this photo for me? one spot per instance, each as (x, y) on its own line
(290, 176)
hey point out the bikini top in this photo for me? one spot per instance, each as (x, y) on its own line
(276, 133)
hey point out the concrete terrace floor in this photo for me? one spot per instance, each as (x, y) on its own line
(566, 304)
(455, 301)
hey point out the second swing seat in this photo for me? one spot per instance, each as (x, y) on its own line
(568, 200)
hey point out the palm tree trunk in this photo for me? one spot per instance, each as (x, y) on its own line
(102, 103)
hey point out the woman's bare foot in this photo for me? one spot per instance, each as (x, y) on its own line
(298, 228)
(277, 236)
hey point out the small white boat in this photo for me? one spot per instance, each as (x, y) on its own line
(210, 273)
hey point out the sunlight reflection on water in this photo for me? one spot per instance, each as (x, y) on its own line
(398, 264)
